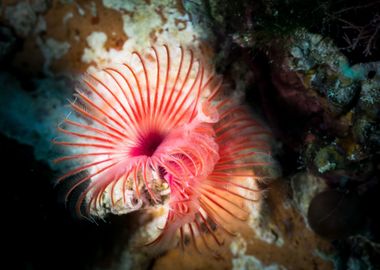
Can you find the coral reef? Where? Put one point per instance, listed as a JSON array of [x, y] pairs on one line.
[[309, 69]]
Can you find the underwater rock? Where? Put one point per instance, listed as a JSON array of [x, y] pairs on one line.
[[357, 264], [328, 158], [308, 51], [293, 92], [67, 24], [312, 75], [238, 246], [23, 16], [7, 42], [369, 100], [263, 226], [323, 77], [339, 90], [313, 78], [363, 253], [40, 6], [362, 130], [52, 50], [167, 22], [340, 108], [366, 127], [250, 262], [199, 13], [333, 214], [32, 117], [374, 139], [304, 188]]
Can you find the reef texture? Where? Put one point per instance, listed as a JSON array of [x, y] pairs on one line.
[[338, 106]]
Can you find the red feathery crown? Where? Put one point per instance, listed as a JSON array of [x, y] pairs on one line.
[[158, 129]]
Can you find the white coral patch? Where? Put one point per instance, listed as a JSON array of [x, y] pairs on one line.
[[164, 25]]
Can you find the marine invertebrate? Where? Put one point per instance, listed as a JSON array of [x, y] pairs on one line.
[[159, 130]]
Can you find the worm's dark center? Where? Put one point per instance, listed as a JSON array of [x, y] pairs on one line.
[[147, 144]]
